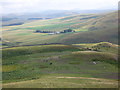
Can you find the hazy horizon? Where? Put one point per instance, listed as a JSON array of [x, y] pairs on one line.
[[27, 6]]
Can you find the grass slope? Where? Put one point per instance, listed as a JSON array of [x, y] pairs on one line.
[[101, 47], [72, 66], [64, 80]]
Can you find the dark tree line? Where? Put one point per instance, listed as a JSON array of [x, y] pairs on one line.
[[65, 31], [39, 31]]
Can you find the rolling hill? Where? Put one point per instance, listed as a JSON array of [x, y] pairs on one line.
[[89, 28], [58, 65]]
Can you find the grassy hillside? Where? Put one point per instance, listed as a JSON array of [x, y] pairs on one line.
[[89, 28], [86, 58], [55, 66], [101, 47]]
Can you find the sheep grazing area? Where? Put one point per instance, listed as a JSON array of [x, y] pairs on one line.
[[57, 65]]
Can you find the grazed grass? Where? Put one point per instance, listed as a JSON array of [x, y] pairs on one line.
[[33, 62], [58, 81]]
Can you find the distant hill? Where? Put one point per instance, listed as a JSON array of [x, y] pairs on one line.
[[8, 19], [103, 28], [89, 28]]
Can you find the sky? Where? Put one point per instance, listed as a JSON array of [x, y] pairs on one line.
[[22, 6]]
